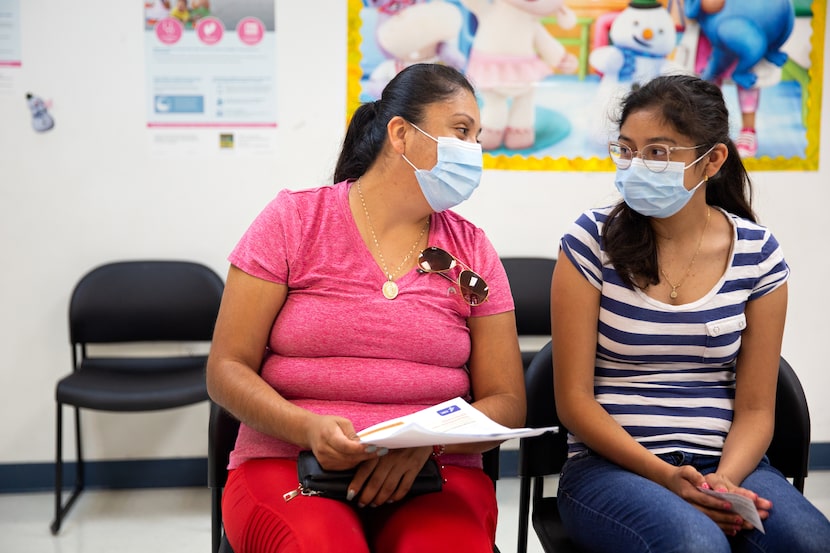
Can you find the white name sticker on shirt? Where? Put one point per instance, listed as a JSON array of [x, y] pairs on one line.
[[736, 323]]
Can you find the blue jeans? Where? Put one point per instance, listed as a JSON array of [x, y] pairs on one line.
[[606, 508]]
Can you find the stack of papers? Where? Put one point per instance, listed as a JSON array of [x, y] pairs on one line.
[[452, 422]]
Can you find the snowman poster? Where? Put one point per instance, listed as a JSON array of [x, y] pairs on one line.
[[550, 74]]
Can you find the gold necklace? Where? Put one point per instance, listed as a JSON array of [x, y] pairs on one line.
[[389, 288], [674, 287]]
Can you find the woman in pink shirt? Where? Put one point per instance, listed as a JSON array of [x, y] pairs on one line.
[[330, 324]]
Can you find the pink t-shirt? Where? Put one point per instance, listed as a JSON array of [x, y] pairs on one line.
[[338, 346]]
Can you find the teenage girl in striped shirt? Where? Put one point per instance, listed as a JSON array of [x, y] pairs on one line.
[[668, 316]]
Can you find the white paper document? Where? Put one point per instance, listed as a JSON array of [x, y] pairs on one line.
[[741, 505], [452, 422]]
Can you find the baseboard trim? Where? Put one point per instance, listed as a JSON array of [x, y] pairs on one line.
[[192, 472], [820, 456], [131, 474]]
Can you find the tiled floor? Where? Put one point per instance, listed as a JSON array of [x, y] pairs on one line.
[[178, 520]]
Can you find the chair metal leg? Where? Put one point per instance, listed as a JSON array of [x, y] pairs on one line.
[[524, 511], [62, 510], [80, 467], [798, 482], [56, 524], [216, 519], [225, 546]]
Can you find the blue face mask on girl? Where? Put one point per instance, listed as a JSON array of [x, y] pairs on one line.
[[656, 194], [456, 174]]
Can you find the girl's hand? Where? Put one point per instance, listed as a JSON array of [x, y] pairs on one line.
[[720, 483], [686, 482]]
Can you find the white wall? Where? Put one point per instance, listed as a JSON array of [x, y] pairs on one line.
[[88, 192]]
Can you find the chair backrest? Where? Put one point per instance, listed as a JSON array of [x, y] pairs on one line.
[[222, 431], [530, 283], [542, 455], [546, 454], [145, 301], [789, 451]]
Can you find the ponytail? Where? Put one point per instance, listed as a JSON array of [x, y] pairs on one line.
[[362, 144]]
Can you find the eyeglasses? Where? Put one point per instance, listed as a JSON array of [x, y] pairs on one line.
[[655, 156], [435, 260]]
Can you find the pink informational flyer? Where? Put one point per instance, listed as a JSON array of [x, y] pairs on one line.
[[211, 83]]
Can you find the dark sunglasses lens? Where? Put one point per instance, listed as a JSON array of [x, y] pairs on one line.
[[473, 287], [435, 260]]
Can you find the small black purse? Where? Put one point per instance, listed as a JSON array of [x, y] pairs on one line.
[[334, 484]]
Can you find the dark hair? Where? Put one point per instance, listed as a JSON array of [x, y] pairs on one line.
[[407, 95], [696, 109]]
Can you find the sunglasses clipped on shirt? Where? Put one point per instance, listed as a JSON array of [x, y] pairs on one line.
[[435, 260]]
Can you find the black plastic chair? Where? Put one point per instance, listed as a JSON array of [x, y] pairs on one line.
[[222, 431], [530, 284], [127, 303], [789, 450], [545, 455]]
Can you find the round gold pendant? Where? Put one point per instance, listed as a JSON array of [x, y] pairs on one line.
[[390, 290], [673, 295]]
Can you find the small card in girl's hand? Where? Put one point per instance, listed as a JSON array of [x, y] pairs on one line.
[[741, 505]]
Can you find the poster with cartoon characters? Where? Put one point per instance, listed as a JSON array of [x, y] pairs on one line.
[[550, 74], [211, 82]]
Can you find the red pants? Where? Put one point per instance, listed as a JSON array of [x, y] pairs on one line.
[[459, 519]]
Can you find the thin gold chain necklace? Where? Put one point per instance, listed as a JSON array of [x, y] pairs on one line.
[[389, 288], [674, 287]]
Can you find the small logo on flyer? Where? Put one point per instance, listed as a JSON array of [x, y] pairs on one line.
[[169, 30], [250, 31], [226, 140], [210, 30], [448, 410]]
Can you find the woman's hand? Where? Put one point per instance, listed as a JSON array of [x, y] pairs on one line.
[[335, 443], [388, 478]]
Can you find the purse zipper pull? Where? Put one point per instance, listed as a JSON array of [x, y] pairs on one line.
[[288, 496]]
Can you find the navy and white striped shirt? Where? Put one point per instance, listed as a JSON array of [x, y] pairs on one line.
[[666, 373]]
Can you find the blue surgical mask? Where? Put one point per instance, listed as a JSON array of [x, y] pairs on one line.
[[456, 174], [655, 194]]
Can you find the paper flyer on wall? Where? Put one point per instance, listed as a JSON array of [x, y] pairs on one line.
[[451, 422], [211, 77], [10, 40]]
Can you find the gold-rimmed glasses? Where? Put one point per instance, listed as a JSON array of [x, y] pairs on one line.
[[435, 260], [655, 157]]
